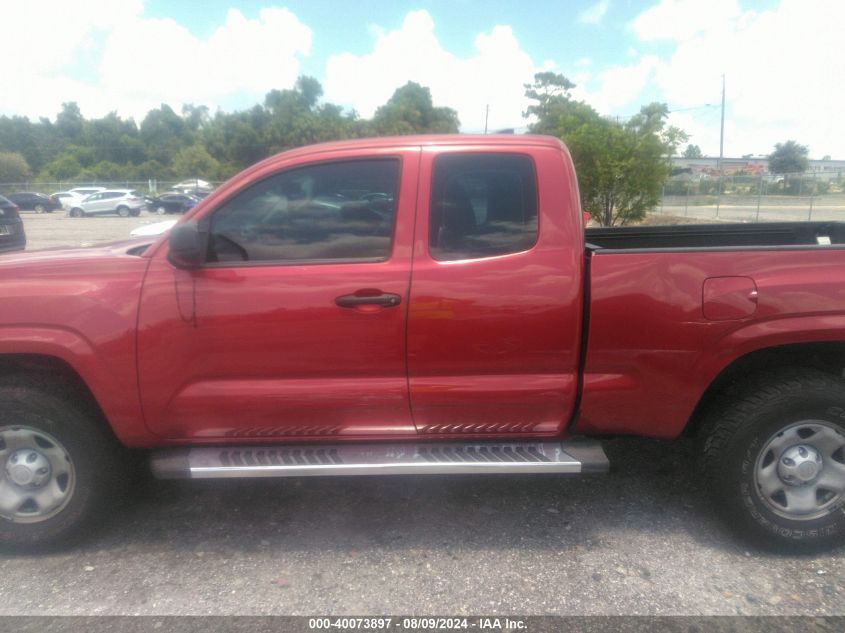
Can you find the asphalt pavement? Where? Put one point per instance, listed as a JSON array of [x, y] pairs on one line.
[[639, 540]]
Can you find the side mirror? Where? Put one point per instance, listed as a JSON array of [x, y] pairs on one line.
[[186, 246]]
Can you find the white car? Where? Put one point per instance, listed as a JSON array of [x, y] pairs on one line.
[[193, 184], [68, 198], [157, 228], [124, 202], [85, 191]]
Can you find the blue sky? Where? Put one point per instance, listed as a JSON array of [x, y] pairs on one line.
[[781, 58], [547, 30]]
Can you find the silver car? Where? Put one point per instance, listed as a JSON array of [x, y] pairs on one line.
[[123, 202]]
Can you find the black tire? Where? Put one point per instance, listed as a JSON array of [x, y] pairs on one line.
[[123, 211], [100, 466], [761, 427], [77, 213], [135, 213]]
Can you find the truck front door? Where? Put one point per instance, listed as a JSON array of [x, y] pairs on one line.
[[295, 326]]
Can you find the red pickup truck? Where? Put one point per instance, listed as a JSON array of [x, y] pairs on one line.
[[424, 305]]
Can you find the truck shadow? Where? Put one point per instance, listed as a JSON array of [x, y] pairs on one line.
[[652, 488]]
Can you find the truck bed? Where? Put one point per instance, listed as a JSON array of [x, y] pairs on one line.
[[716, 236]]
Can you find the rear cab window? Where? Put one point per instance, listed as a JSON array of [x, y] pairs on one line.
[[482, 205]]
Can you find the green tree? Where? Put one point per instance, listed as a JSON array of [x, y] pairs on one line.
[[195, 116], [13, 168], [411, 111], [693, 151], [548, 88], [195, 162], [65, 166], [789, 158], [164, 133], [108, 171], [70, 123], [18, 134], [621, 167]]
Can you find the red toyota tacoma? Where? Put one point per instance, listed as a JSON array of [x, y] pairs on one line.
[[424, 305]]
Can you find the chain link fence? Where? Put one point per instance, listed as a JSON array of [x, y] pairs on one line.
[[150, 186], [732, 198], [759, 197]]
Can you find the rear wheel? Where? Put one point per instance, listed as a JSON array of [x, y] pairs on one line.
[[135, 213], [59, 468], [76, 212], [161, 211], [775, 461], [39, 208], [123, 211]]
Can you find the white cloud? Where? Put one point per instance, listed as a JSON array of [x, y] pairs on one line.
[[243, 57], [493, 75], [140, 62], [782, 70], [595, 13], [618, 86], [681, 20], [42, 39]]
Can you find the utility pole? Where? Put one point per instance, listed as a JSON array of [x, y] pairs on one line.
[[486, 116], [721, 149]]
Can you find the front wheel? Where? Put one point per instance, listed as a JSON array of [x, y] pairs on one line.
[[77, 213], [39, 208], [161, 211], [775, 461], [123, 212], [59, 469]]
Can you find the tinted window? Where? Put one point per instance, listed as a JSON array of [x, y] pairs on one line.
[[482, 205], [332, 211]]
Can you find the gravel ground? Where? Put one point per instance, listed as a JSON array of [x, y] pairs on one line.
[[52, 230], [636, 541]]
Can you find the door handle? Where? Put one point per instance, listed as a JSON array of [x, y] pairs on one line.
[[386, 299]]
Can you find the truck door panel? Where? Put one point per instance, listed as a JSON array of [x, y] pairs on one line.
[[495, 308], [260, 343]]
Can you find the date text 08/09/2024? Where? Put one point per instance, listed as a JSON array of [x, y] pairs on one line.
[[417, 623]]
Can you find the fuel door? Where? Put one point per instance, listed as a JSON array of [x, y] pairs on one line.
[[729, 298]]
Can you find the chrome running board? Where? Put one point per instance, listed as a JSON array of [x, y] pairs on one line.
[[572, 457]]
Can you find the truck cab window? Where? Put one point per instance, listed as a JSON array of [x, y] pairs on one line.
[[321, 213], [482, 205]]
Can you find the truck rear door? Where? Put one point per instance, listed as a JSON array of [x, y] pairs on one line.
[[494, 323]]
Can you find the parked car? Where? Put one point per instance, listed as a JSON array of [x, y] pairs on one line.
[[124, 202], [68, 198], [32, 201], [193, 183], [171, 203], [86, 191], [156, 228], [12, 236], [466, 323]]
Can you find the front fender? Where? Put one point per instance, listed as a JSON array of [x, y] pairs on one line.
[[111, 377]]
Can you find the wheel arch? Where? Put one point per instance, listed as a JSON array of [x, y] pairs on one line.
[[827, 356], [57, 372]]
